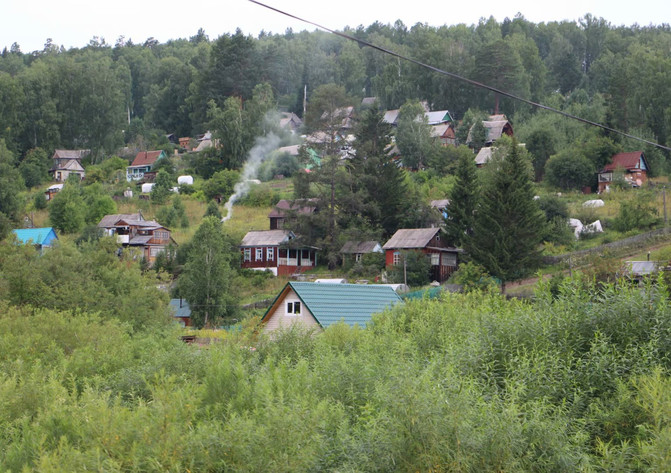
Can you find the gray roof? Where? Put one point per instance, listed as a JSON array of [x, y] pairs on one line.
[[354, 247], [70, 153], [440, 203], [140, 240], [108, 221], [438, 116], [484, 156], [411, 238], [641, 268], [266, 237]]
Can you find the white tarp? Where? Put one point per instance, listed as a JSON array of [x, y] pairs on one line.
[[594, 203], [185, 180]]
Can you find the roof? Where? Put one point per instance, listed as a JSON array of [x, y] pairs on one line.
[[390, 116], [141, 240], [181, 308], [38, 236], [70, 153], [440, 203], [354, 247], [440, 129], [303, 207], [354, 304], [146, 158], [108, 221], [627, 161], [71, 165], [266, 237], [484, 156], [411, 238], [438, 116]]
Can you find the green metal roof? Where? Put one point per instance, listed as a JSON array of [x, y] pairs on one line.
[[354, 304]]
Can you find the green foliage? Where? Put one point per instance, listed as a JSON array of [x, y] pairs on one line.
[[162, 187], [463, 201], [221, 184], [206, 278], [67, 210], [260, 196], [636, 213], [414, 269], [569, 170], [509, 224], [35, 167], [473, 277], [212, 210]]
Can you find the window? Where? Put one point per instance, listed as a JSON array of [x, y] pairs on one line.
[[155, 250], [248, 254], [397, 258], [270, 254], [449, 259], [435, 259], [357, 257], [259, 254], [293, 308]]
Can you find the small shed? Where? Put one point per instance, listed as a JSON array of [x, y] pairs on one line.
[[354, 250], [181, 312]]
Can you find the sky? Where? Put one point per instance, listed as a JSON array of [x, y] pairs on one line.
[[72, 23]]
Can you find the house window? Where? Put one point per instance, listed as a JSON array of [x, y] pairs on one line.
[[156, 250], [248, 254], [259, 254], [397, 258], [449, 259], [435, 259], [357, 257], [293, 308], [270, 254]]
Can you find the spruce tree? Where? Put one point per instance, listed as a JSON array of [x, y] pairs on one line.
[[463, 200], [508, 224]]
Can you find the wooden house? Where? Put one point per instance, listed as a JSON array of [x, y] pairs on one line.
[[288, 211], [318, 306], [277, 251], [353, 251], [632, 166], [432, 242], [52, 191], [68, 162], [181, 312], [444, 133], [142, 165], [496, 126], [143, 238], [290, 121]]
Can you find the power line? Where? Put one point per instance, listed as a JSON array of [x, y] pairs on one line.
[[462, 78]]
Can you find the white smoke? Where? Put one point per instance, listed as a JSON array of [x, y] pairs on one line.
[[262, 149]]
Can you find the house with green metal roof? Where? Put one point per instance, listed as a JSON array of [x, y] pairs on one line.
[[321, 305], [40, 237]]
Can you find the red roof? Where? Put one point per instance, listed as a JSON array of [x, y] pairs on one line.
[[626, 161], [146, 158]]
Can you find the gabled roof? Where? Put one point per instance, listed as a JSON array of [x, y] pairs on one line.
[[181, 308], [266, 238], [390, 116], [70, 153], [438, 116], [411, 238], [108, 221], [440, 204], [36, 236], [146, 158], [71, 165], [302, 206], [628, 161], [354, 304], [484, 156], [354, 247]]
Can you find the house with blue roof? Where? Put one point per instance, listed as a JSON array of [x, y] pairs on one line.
[[318, 306], [40, 237]]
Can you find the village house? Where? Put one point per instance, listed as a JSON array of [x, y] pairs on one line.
[[432, 242], [291, 122], [318, 306], [41, 238], [68, 162], [181, 312], [632, 167], [141, 167], [287, 211], [52, 191], [143, 238], [353, 251], [277, 251]]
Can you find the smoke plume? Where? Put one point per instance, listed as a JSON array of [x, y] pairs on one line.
[[261, 150]]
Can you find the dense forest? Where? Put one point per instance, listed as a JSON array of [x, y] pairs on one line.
[[102, 96]]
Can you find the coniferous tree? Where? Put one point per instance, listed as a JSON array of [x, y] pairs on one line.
[[508, 224], [463, 201]]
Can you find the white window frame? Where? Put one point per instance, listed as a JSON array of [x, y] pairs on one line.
[[247, 254], [258, 254], [293, 308], [396, 259], [270, 254]]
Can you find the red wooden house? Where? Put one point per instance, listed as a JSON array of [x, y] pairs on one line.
[[430, 241], [633, 166], [145, 238], [277, 251]]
